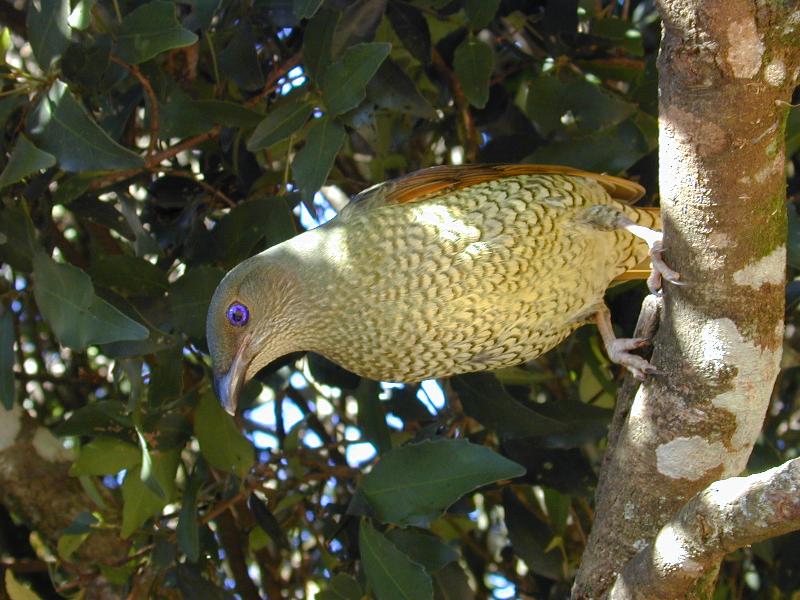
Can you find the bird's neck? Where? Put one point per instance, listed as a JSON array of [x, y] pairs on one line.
[[314, 260]]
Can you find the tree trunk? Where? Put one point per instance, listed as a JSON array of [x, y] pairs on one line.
[[726, 73]]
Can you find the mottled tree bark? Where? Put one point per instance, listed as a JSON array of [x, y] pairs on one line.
[[36, 486], [727, 69]]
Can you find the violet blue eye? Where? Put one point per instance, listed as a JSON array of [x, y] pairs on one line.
[[238, 314]]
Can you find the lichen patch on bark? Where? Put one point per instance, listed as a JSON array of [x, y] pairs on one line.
[[671, 549], [770, 269], [775, 72], [749, 389], [689, 457], [10, 424], [745, 49]]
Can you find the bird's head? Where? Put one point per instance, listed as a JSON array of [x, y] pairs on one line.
[[249, 323]]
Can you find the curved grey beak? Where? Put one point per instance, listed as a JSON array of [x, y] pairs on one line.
[[228, 385]]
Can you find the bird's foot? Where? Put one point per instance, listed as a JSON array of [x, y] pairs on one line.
[[660, 269], [619, 350]]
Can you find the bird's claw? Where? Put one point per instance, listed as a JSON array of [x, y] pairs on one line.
[[660, 268], [619, 351]]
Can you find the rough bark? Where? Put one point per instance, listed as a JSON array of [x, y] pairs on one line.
[[35, 485], [724, 517], [726, 73]]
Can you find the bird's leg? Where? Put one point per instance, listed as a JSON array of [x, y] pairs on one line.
[[619, 349], [655, 241]]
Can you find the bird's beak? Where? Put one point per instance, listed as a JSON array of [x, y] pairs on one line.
[[228, 385]]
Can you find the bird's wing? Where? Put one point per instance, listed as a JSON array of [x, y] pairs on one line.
[[422, 184]]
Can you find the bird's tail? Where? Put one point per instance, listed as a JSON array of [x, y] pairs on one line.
[[646, 217]]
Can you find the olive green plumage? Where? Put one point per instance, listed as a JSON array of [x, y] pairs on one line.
[[441, 272]]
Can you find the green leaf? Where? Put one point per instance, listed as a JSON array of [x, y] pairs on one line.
[[621, 32], [412, 28], [250, 226], [17, 238], [318, 41], [359, 23], [150, 30], [473, 63], [558, 506], [25, 160], [7, 358], [485, 399], [267, 521], [345, 81], [139, 501], [372, 416], [394, 90], [81, 16], [305, 9], [187, 532], [280, 123], [341, 587], [190, 296], [392, 574], [146, 473], [129, 274], [312, 164], [75, 534], [414, 484], [104, 416], [105, 456], [793, 240], [584, 106], [451, 583], [793, 131], [239, 60], [480, 12], [48, 30], [77, 316], [611, 150], [184, 117], [17, 591], [221, 442], [61, 126], [166, 379], [530, 538], [423, 548]]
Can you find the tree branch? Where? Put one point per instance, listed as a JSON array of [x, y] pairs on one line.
[[36, 486], [726, 516]]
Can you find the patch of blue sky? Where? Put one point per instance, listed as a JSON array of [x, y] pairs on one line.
[[502, 588], [431, 395], [264, 414], [298, 381], [264, 441], [352, 434], [323, 212], [359, 453], [394, 422]]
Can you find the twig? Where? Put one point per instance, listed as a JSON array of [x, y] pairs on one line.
[[151, 95], [203, 184], [471, 138], [154, 161]]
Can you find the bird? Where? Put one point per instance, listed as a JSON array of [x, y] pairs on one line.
[[446, 270]]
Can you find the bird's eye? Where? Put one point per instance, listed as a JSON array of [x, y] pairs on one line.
[[238, 314]]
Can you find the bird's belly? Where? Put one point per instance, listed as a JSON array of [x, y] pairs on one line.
[[482, 319]]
